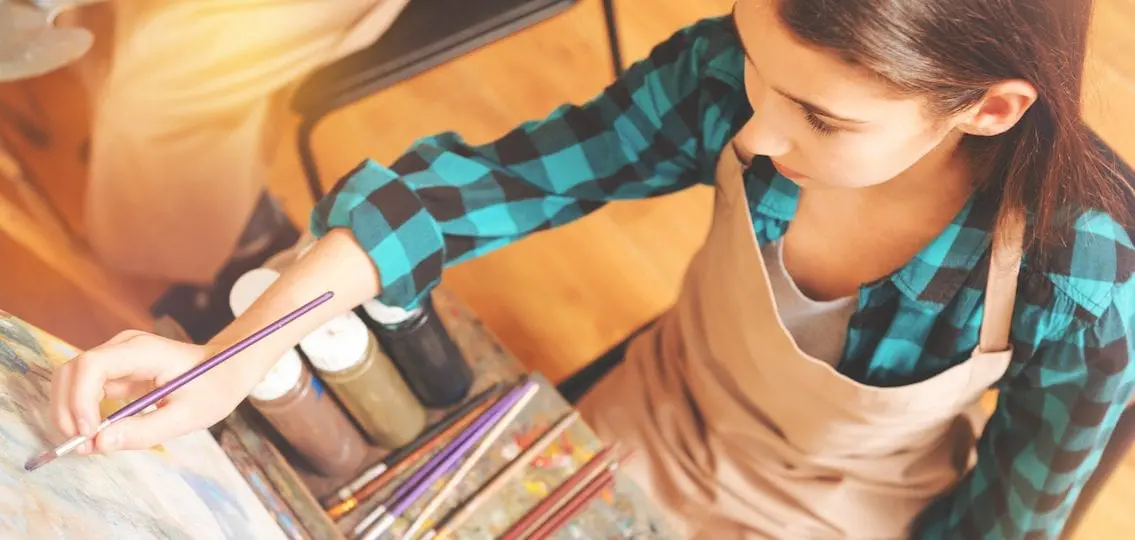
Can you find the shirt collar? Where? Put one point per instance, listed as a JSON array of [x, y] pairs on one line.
[[934, 276]]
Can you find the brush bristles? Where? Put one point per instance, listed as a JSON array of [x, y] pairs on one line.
[[39, 461]]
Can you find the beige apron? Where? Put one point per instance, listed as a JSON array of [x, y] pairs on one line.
[[739, 434]]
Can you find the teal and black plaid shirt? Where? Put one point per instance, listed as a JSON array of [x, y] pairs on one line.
[[659, 129]]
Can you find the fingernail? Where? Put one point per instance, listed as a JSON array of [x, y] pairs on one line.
[[84, 427], [85, 449]]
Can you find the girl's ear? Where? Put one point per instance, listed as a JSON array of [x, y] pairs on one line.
[[1000, 109]]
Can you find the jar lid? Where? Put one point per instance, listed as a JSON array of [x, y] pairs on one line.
[[387, 315], [337, 345], [249, 287], [280, 379]]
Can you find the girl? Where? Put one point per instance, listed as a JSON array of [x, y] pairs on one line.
[[908, 211]]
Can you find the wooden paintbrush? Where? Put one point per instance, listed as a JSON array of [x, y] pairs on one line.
[[349, 497], [547, 507], [576, 504], [157, 394], [474, 458], [452, 521], [381, 518]]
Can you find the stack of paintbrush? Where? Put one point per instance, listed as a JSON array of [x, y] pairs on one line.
[[461, 441]]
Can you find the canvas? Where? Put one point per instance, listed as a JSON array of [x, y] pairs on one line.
[[187, 489]]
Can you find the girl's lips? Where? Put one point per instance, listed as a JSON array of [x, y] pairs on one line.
[[788, 173]]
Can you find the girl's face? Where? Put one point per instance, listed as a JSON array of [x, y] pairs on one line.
[[824, 123]]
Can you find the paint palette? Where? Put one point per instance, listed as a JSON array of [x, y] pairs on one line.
[[187, 489], [31, 44]]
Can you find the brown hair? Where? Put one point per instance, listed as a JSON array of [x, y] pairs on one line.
[[951, 51]]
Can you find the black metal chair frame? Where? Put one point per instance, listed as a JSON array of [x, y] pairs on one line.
[[354, 77]]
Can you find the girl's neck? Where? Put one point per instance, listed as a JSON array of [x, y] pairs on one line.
[[840, 239]]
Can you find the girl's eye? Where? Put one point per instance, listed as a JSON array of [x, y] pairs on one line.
[[820, 126]]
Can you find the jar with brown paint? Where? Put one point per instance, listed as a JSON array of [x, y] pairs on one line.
[[294, 402], [348, 359]]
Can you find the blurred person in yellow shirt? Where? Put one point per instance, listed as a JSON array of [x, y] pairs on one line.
[[182, 128]]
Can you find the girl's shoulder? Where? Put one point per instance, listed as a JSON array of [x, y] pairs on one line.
[[716, 46], [1089, 275]]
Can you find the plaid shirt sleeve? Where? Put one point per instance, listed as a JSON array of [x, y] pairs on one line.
[[445, 201], [1052, 422]]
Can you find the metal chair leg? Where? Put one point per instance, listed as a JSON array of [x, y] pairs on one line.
[[613, 36], [307, 158]]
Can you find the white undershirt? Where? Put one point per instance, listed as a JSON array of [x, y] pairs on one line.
[[819, 328]]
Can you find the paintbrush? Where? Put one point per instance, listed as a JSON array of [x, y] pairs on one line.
[[348, 497], [451, 522], [576, 504], [410, 460], [371, 527], [157, 394], [474, 458], [548, 507]]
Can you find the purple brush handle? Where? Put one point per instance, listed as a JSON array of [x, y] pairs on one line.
[[436, 460], [449, 457], [158, 393]]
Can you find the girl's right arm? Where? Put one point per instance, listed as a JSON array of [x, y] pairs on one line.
[[133, 363], [653, 131]]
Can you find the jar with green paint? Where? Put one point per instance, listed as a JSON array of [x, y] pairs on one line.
[[346, 356]]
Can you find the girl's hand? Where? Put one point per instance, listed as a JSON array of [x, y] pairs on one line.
[[133, 363], [127, 367]]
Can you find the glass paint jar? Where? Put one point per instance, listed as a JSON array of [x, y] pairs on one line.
[[422, 349], [346, 356], [294, 402]]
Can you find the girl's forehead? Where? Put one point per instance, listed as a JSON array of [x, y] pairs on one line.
[[802, 72]]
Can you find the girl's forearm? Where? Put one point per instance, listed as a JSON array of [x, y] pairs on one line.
[[335, 263]]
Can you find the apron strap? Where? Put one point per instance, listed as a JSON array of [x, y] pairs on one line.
[[1001, 286]]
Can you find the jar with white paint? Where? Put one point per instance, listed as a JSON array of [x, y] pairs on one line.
[[296, 404], [348, 359]]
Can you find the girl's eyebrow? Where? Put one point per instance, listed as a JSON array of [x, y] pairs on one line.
[[808, 106]]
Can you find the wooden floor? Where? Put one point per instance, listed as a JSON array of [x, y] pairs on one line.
[[560, 298]]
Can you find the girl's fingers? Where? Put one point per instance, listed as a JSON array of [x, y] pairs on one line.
[[145, 431], [135, 357], [120, 337], [125, 368], [63, 407], [61, 410], [127, 389], [121, 389]]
